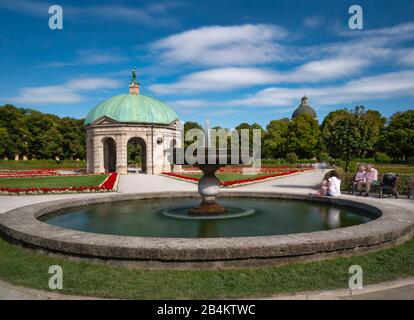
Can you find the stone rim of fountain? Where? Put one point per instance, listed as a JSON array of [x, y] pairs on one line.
[[22, 225]]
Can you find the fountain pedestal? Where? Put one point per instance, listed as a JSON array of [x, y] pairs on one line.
[[209, 188]]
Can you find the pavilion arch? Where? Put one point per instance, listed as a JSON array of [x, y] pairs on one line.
[[143, 145], [109, 154]]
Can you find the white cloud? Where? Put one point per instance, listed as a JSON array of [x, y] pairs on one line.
[[407, 57], [217, 80], [70, 92], [241, 45], [327, 69], [221, 79], [384, 86]]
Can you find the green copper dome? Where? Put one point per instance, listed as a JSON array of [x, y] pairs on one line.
[[133, 108]]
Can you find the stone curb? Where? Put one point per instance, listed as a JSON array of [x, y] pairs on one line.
[[395, 226], [33, 294], [344, 293]]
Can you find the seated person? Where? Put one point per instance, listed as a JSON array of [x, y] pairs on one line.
[[360, 176], [334, 185], [331, 185], [371, 179]]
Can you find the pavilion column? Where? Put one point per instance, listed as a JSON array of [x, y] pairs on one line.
[[89, 154], [98, 155], [121, 154]]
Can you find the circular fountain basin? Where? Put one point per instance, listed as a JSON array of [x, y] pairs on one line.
[[314, 231], [244, 218]]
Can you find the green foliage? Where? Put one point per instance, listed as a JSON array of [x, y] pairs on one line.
[[4, 141], [14, 121], [134, 154], [187, 127], [350, 134], [291, 157], [303, 136], [323, 157], [399, 135], [33, 134], [251, 129], [352, 165], [275, 141], [381, 157]]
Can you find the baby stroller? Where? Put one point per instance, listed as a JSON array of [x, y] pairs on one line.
[[388, 185]]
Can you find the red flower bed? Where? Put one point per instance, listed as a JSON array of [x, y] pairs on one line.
[[264, 169], [28, 173], [257, 179], [238, 182], [108, 185]]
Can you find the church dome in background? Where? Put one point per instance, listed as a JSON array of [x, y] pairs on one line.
[[304, 108]]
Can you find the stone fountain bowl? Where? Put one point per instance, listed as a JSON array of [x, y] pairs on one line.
[[208, 160]]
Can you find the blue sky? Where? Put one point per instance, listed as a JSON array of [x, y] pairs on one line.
[[229, 61]]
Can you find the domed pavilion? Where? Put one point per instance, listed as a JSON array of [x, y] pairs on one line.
[[131, 118], [304, 108]]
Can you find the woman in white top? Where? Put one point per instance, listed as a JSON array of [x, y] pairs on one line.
[[331, 185], [334, 185]]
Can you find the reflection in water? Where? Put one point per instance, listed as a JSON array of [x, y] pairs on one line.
[[208, 229], [334, 218], [146, 218], [331, 216]]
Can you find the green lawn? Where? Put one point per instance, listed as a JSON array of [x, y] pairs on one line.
[[22, 267], [40, 164], [53, 182], [228, 176]]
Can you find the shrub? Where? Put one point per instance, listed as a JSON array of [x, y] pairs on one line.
[[381, 157], [292, 157], [323, 157], [352, 165]]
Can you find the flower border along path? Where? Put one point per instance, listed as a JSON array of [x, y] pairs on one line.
[[108, 185], [238, 182]]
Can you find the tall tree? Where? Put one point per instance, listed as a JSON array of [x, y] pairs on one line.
[[349, 134], [275, 141], [45, 140], [304, 136], [14, 120], [251, 128], [4, 142], [399, 135], [73, 138], [187, 127]]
